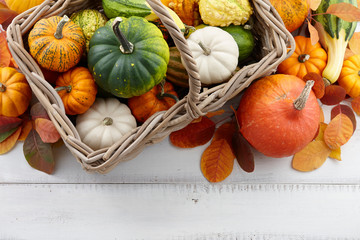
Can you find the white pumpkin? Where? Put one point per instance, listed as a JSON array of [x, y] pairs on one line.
[[104, 123], [215, 52]]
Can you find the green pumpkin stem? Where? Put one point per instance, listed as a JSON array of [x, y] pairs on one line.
[[58, 33], [108, 121], [163, 94], [67, 88], [300, 102], [2, 87], [126, 47], [206, 49]]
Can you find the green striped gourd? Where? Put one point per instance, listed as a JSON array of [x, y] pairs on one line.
[[336, 34], [176, 72]]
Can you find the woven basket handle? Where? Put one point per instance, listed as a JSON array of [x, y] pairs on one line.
[[188, 60]]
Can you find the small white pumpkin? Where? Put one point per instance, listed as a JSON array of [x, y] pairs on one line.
[[215, 52], [104, 123]]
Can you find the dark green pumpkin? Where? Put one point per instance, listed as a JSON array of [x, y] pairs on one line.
[[128, 74]]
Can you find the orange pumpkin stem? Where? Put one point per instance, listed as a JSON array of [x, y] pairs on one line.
[[300, 102], [126, 47], [108, 121], [58, 33], [2, 87], [303, 57]]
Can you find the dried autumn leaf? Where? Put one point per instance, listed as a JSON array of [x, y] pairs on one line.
[[25, 129], [311, 157], [334, 94], [225, 131], [217, 161], [193, 135], [10, 141], [314, 4], [38, 154], [354, 43], [355, 104], [322, 117], [341, 108], [336, 154], [348, 53], [6, 16], [338, 132], [215, 113], [8, 123], [345, 11], [243, 153], [38, 111], [319, 86], [46, 130], [5, 56], [314, 34], [321, 33]]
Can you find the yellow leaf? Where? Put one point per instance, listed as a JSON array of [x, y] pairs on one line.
[[339, 131], [354, 43], [320, 136], [336, 154], [314, 4], [311, 157]]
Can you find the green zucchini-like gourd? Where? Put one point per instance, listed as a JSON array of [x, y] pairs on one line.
[[129, 58]]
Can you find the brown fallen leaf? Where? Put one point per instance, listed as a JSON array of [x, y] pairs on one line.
[[341, 108], [354, 43], [334, 94], [243, 152], [355, 104], [319, 86], [10, 142], [345, 11]]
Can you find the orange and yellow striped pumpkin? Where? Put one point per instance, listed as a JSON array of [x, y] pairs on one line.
[[56, 43]]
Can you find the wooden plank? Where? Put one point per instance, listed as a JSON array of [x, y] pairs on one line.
[[179, 211]]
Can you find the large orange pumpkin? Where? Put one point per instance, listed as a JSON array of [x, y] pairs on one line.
[[77, 90], [159, 98], [349, 77], [56, 43], [293, 12], [306, 58], [278, 115], [15, 92], [20, 6]]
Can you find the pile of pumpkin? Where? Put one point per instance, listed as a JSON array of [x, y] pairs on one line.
[[112, 67]]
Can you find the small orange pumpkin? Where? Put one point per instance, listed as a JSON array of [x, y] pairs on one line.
[[349, 77], [293, 13], [15, 92], [306, 58], [77, 90], [56, 43], [187, 10], [159, 98]]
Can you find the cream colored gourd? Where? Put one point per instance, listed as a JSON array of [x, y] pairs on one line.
[[215, 52], [104, 123]]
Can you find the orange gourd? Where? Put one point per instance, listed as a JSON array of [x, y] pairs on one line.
[[20, 6], [15, 92], [279, 115], [159, 98], [56, 43], [77, 90], [306, 58], [293, 13], [349, 77], [187, 10]]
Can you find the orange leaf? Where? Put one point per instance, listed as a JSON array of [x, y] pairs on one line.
[[321, 33], [225, 131], [5, 56], [46, 130], [6, 16], [340, 108], [355, 104], [345, 11], [334, 94], [9, 142], [354, 43], [348, 53], [216, 113], [336, 154], [217, 161], [322, 117], [319, 86], [193, 135], [314, 4], [26, 128], [311, 157], [314, 34], [338, 132]]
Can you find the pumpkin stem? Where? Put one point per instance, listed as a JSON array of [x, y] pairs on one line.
[[207, 50], [303, 57], [126, 47], [163, 94], [60, 26], [359, 73], [107, 121], [300, 102], [2, 87], [67, 88]]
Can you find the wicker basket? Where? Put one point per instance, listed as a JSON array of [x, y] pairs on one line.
[[275, 44]]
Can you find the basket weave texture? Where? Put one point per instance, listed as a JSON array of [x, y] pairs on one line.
[[274, 44]]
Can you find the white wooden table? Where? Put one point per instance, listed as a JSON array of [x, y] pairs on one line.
[[162, 194]]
